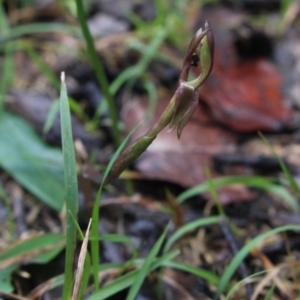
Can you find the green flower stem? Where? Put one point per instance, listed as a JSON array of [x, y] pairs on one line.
[[141, 144], [164, 120]]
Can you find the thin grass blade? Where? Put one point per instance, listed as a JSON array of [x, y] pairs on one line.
[[234, 264], [189, 227], [7, 72], [42, 27], [270, 292], [128, 279], [285, 170], [202, 273], [71, 187], [238, 284], [146, 267], [95, 214], [99, 70], [266, 183], [214, 193]]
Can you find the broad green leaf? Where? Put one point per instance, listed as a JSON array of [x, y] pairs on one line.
[[35, 165], [5, 279]]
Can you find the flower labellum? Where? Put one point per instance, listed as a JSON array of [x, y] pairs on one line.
[[200, 51], [186, 102]]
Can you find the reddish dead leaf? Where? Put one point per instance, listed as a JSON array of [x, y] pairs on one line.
[[243, 95]]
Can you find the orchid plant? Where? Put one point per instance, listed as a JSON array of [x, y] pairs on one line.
[[183, 103]]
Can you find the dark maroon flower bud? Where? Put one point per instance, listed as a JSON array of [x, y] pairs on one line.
[[201, 50]]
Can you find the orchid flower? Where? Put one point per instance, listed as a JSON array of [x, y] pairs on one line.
[[182, 105], [186, 96]]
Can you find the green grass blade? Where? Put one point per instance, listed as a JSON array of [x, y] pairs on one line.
[[285, 170], [189, 227], [32, 28], [213, 192], [129, 73], [128, 279], [118, 152], [35, 249], [159, 261], [152, 96], [270, 292], [284, 6], [266, 183], [10, 214], [285, 194], [117, 238], [58, 280], [30, 161], [234, 264], [71, 188], [7, 72], [117, 285], [54, 108], [255, 181], [81, 234], [40, 62], [139, 69], [237, 285], [6, 282], [100, 74], [212, 278], [95, 213], [146, 267]]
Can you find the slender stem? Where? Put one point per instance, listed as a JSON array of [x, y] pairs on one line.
[[141, 144], [163, 121]]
